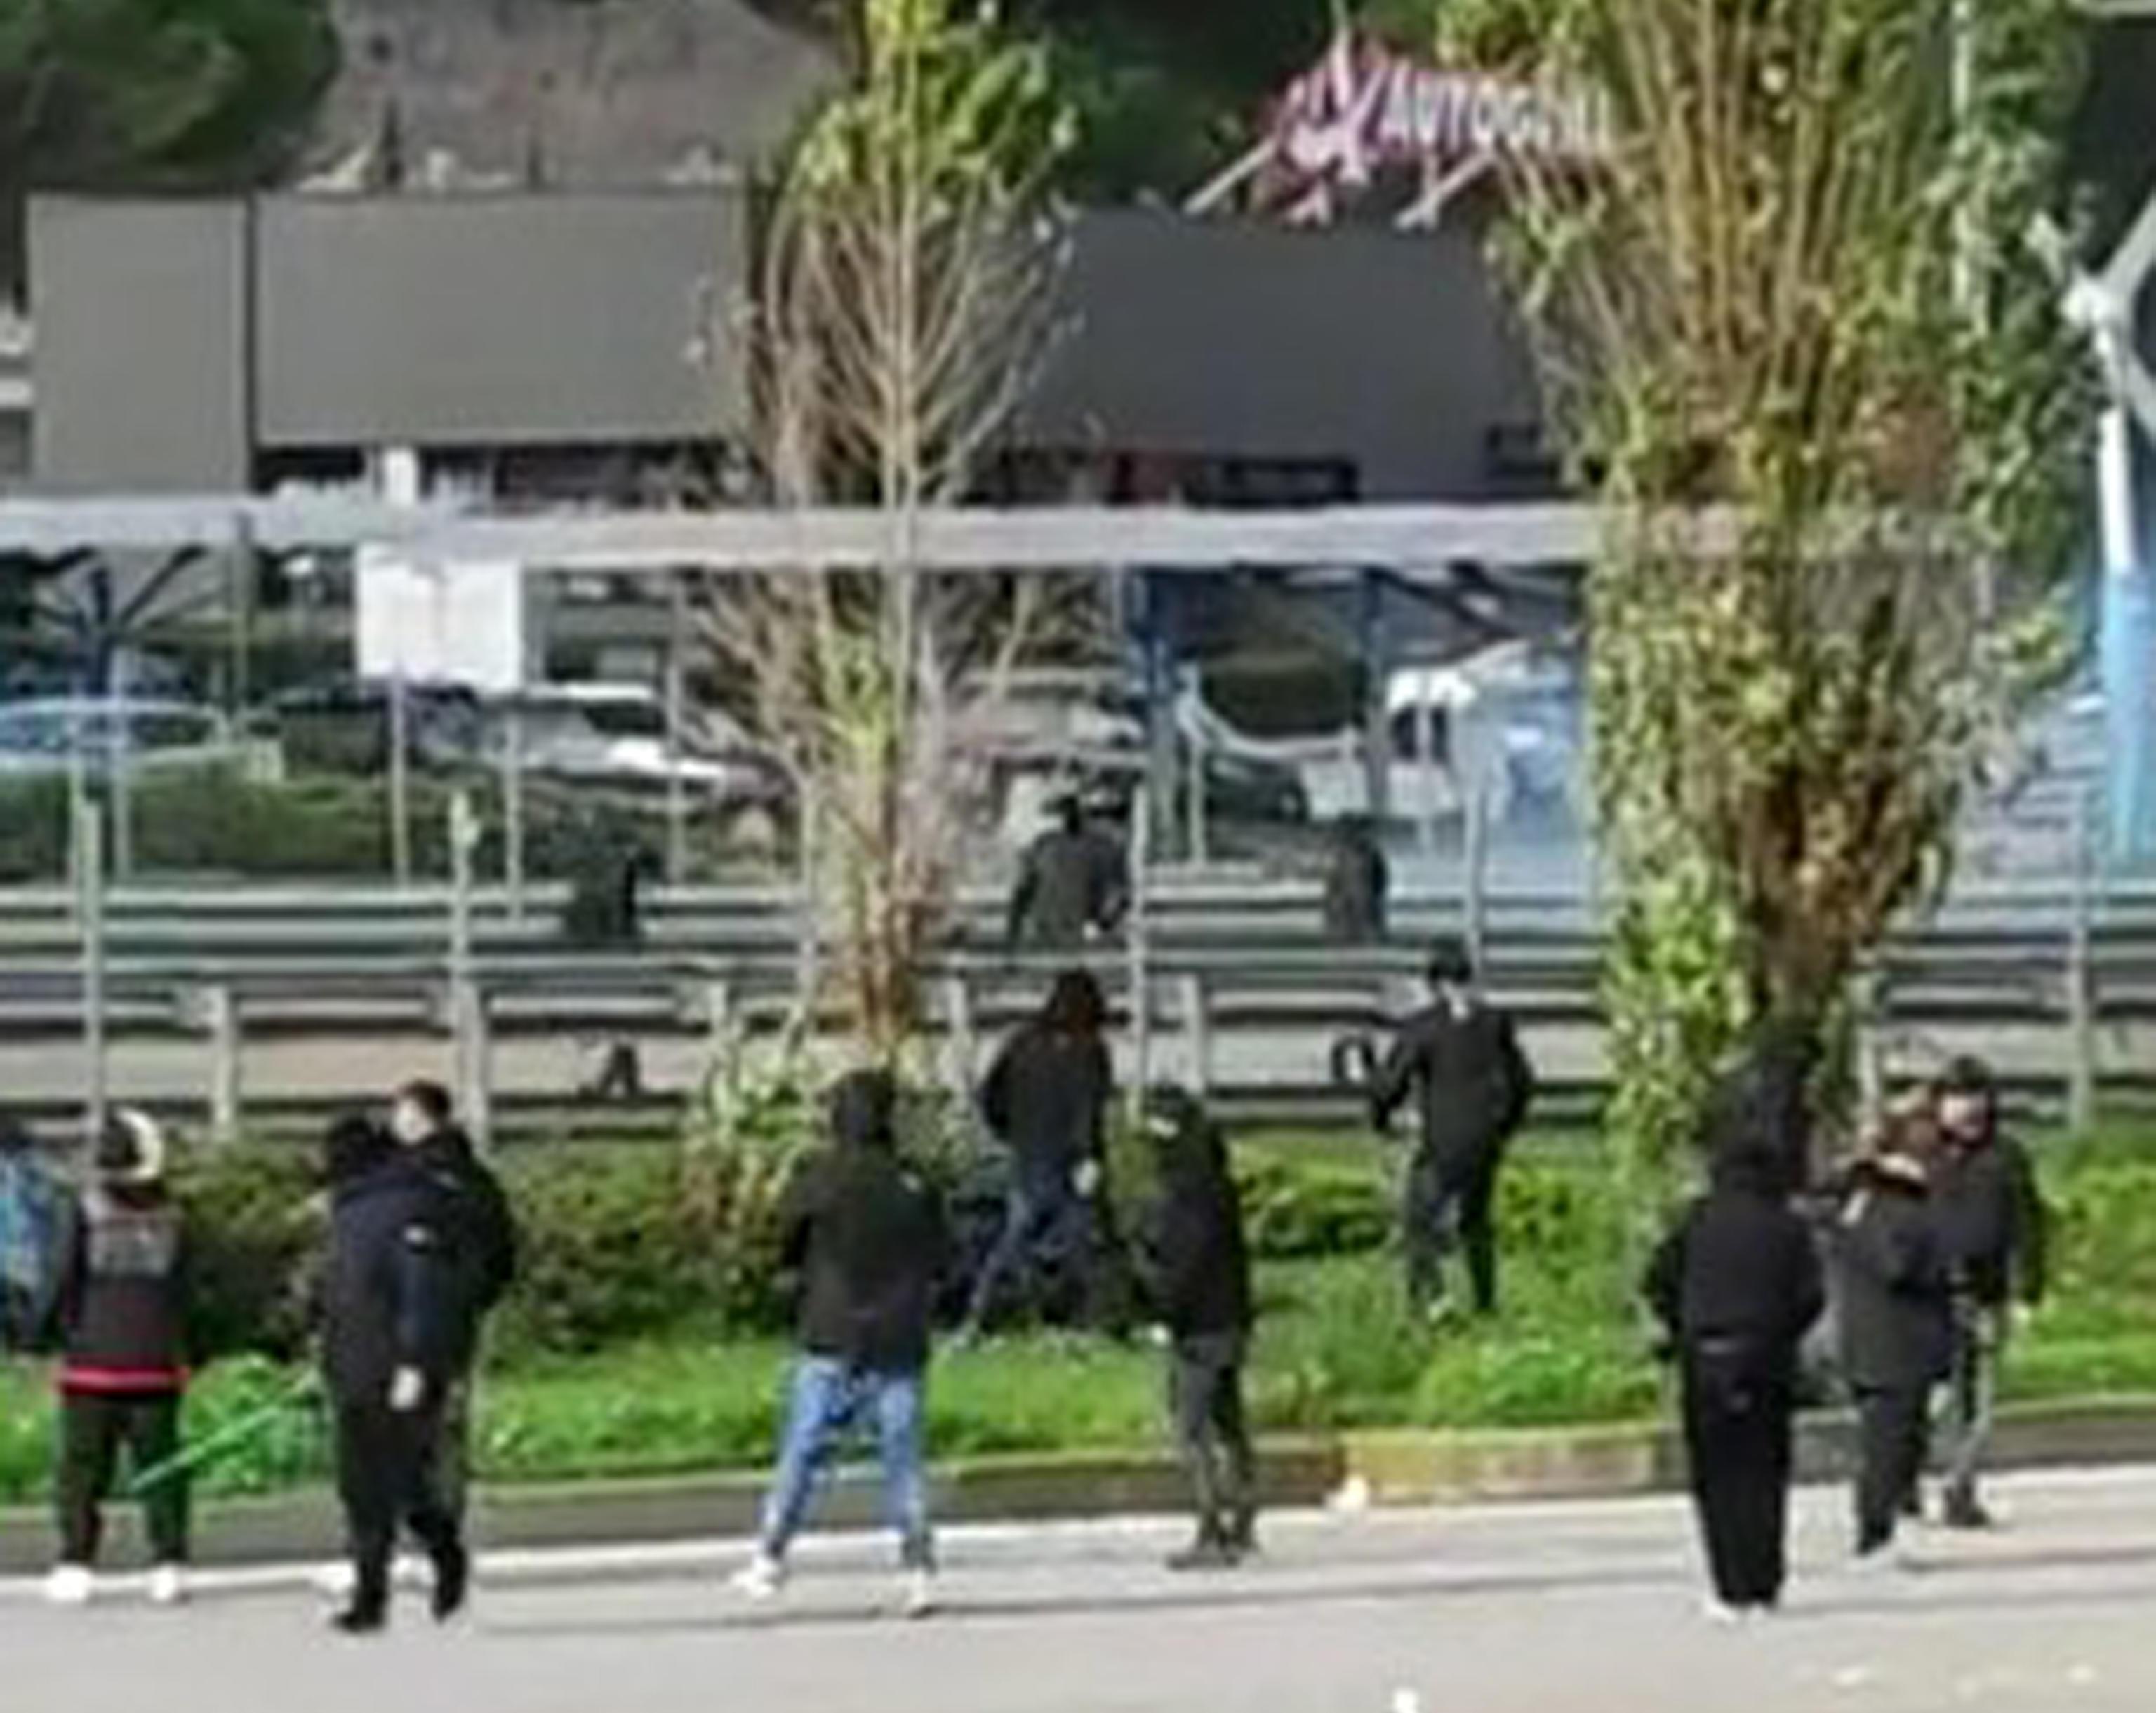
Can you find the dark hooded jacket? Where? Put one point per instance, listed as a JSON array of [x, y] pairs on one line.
[[1992, 1220], [866, 1236], [479, 1227], [1738, 1280], [1072, 880], [1198, 1263], [1473, 1082], [1894, 1284], [1046, 1097], [1357, 882], [393, 1295]]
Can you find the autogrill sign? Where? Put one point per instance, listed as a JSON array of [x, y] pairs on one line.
[[1364, 110]]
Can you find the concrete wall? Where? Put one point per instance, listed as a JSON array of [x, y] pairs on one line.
[[141, 362], [468, 321]]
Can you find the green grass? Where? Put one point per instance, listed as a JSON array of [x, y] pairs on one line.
[[1336, 1350]]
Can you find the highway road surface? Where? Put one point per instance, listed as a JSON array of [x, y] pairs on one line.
[[1574, 1608]]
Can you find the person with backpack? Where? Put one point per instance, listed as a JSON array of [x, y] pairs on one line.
[[866, 1236], [1896, 1305], [1197, 1278], [399, 1321], [33, 1222], [1047, 1099], [126, 1344], [1736, 1285], [481, 1232], [1459, 1059]]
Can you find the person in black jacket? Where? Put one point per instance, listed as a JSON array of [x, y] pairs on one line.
[[126, 1342], [481, 1230], [1047, 1099], [1895, 1311], [1736, 1286], [1199, 1278], [866, 1236], [1460, 1058], [1994, 1226], [397, 1319], [1073, 881]]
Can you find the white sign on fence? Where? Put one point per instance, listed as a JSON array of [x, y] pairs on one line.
[[455, 622]]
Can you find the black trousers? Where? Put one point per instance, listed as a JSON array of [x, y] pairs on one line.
[[1450, 1202], [387, 1476], [1206, 1395], [1737, 1426], [94, 1427], [1890, 1436]]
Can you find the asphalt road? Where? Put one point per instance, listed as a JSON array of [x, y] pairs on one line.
[[1542, 1609]]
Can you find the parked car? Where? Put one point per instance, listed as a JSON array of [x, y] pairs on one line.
[[616, 735], [343, 726], [38, 737]]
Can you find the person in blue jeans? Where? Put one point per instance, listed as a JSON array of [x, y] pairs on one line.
[[1046, 1099], [867, 1237]]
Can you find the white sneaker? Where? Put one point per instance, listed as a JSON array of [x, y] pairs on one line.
[[920, 1598], [336, 1582], [168, 1584], [70, 1585], [761, 1579], [1721, 1613]]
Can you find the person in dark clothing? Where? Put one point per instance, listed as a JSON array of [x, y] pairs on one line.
[[125, 1341], [1073, 882], [866, 1236], [481, 1232], [1046, 1099], [1460, 1058], [1895, 1312], [1736, 1285], [1357, 881], [397, 1318], [1198, 1269], [1995, 1229]]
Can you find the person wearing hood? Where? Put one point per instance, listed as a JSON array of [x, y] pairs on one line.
[[1895, 1314], [1358, 880], [397, 1326], [126, 1345], [1736, 1285], [1046, 1099], [865, 1235], [1459, 1059], [481, 1230], [1073, 881], [1198, 1269], [1994, 1226]]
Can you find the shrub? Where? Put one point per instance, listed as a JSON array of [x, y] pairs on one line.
[[255, 1224]]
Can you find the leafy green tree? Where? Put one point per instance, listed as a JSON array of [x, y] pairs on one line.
[[152, 94]]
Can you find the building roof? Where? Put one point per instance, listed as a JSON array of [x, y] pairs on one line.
[[501, 91]]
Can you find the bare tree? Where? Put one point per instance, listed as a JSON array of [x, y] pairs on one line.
[[905, 304]]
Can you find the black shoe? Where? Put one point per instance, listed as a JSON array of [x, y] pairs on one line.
[[1206, 1553], [451, 1581], [1912, 1506], [1242, 1538], [1966, 1511], [362, 1618]]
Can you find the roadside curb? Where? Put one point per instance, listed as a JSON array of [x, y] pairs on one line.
[[1388, 1468]]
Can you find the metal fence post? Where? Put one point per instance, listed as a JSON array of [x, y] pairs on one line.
[[959, 1030], [1871, 1053], [89, 911], [2081, 982], [400, 784], [1475, 878], [221, 1017], [1139, 952], [1197, 1033], [467, 1004]]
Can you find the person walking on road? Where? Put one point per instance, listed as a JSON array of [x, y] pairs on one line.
[[866, 1236], [127, 1339], [481, 1230], [1198, 1269], [1357, 884], [1460, 1057], [1073, 882], [1047, 1099], [397, 1320], [1736, 1285], [1895, 1312], [1995, 1227]]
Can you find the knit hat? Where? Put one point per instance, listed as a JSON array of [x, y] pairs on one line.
[[130, 1153]]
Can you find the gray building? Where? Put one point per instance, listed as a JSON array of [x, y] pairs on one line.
[[224, 344]]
